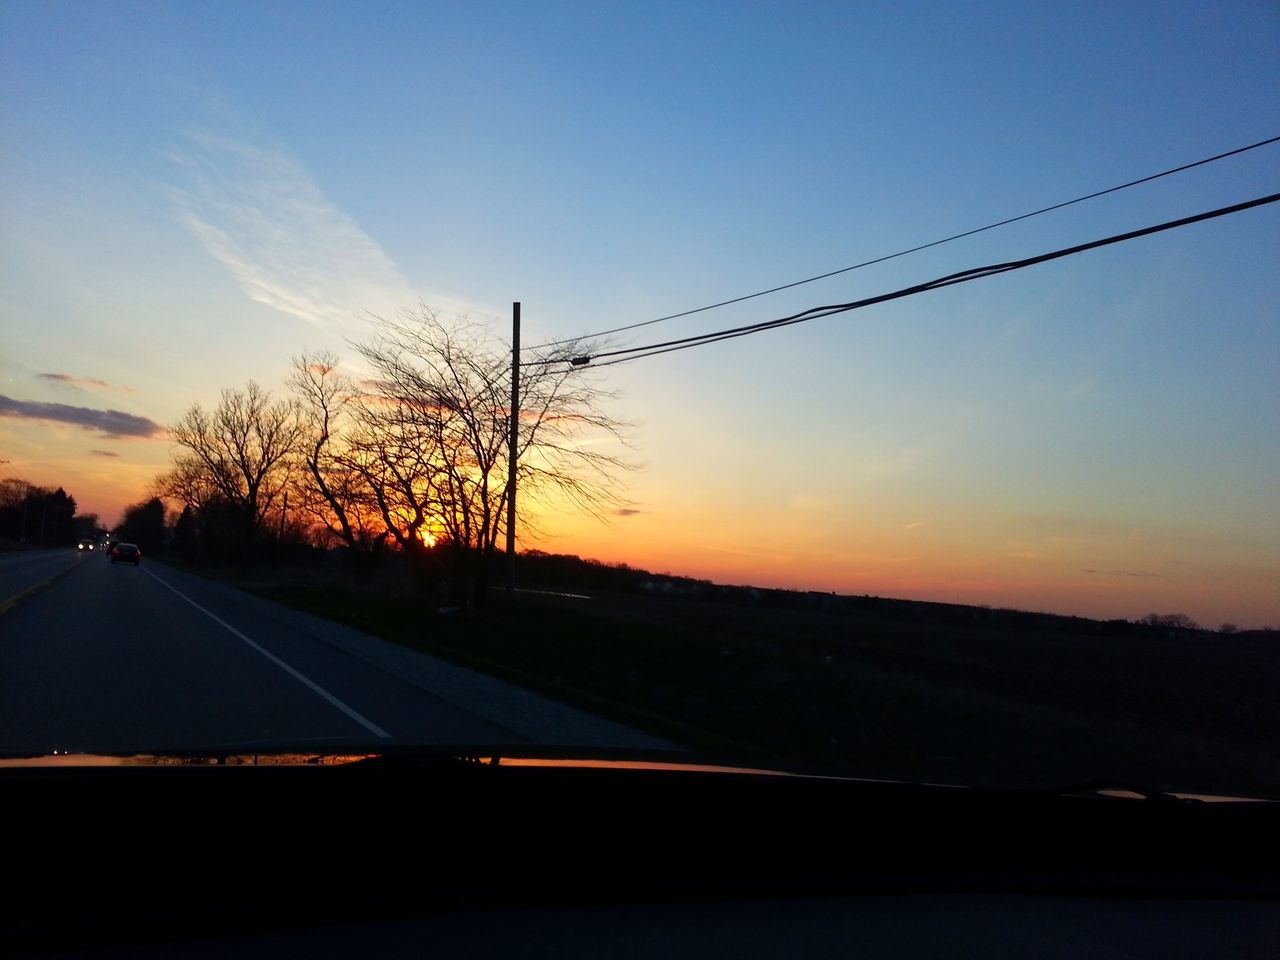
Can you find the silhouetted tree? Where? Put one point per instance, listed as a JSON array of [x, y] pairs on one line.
[[1172, 621], [241, 452], [143, 524], [332, 490], [87, 526], [36, 515], [431, 430], [62, 518], [186, 534], [14, 503]]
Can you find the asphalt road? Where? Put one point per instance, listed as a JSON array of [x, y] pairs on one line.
[[111, 658], [22, 571]]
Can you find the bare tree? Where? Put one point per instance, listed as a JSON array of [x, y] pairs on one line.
[[1172, 621], [242, 451], [434, 425], [188, 482], [334, 489]]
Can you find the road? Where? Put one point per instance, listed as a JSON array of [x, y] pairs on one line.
[[24, 570], [112, 658]]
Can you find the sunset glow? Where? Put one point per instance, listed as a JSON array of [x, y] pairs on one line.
[[1093, 436]]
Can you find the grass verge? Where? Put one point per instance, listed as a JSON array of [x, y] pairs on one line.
[[860, 695]]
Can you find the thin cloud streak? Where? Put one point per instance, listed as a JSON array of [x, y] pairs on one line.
[[104, 453], [80, 383], [261, 215], [1124, 573], [114, 424]]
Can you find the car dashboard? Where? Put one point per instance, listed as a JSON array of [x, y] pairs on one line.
[[465, 856]]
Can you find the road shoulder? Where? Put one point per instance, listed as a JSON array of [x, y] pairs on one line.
[[530, 715]]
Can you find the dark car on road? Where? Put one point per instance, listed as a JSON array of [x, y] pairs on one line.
[[126, 553]]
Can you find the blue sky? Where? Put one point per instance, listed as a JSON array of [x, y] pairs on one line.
[[193, 193]]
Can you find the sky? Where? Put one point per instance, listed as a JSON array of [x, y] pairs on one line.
[[191, 194]]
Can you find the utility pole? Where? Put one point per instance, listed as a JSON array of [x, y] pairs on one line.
[[511, 448]]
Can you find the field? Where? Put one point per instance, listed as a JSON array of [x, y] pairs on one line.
[[878, 689]]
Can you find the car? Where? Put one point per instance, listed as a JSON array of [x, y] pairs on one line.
[[85, 545], [126, 553]]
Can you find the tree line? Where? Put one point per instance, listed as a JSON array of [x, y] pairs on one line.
[[406, 459], [40, 516]]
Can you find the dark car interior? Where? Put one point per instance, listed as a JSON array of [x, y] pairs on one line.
[[459, 856]]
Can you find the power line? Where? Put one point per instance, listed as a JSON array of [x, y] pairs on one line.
[[923, 246], [964, 276], [627, 354]]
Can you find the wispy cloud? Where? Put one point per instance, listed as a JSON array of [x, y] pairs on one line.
[[80, 383], [262, 216], [918, 523], [1085, 388], [108, 423], [1124, 573], [104, 453], [627, 512]]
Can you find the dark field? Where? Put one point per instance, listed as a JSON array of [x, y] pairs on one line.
[[895, 690]]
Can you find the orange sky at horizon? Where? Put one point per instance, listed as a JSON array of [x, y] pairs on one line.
[[994, 558], [1094, 435], [997, 559]]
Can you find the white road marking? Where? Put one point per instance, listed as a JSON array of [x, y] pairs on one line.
[[555, 593], [367, 724]]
